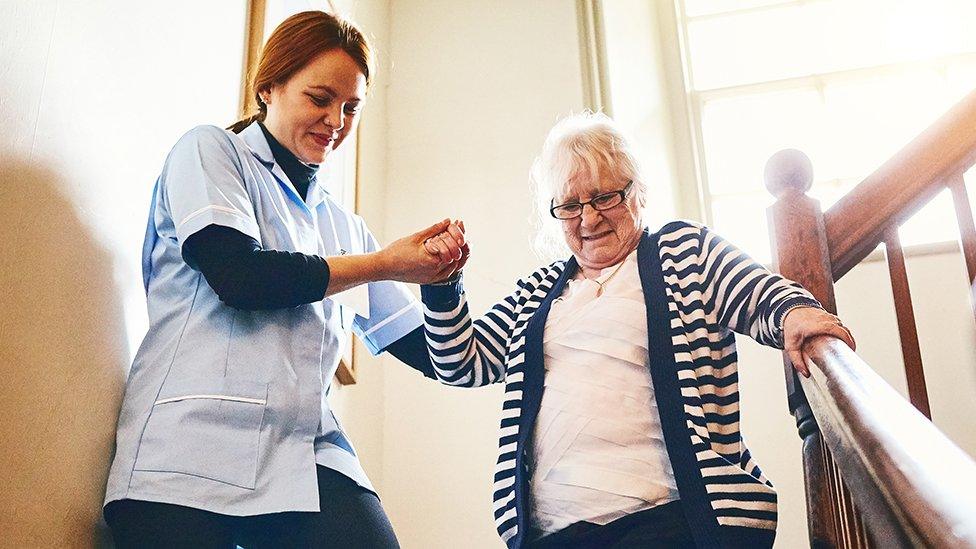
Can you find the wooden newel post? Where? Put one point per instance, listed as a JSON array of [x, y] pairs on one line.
[[800, 253]]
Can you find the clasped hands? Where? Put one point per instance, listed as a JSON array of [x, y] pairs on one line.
[[432, 255]]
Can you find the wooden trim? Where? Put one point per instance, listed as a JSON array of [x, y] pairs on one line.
[[593, 57], [914, 486], [692, 103], [819, 80], [907, 330], [907, 181], [253, 40], [346, 373], [690, 195]]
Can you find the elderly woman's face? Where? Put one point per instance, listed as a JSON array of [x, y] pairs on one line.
[[314, 111], [600, 239]]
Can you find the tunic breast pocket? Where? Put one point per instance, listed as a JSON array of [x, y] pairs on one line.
[[291, 232], [206, 427]]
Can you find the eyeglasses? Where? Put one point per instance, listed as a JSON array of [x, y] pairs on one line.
[[599, 202]]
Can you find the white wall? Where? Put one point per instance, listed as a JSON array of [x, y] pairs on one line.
[[92, 95]]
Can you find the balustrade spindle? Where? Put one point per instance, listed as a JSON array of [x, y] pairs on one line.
[[907, 330], [967, 231]]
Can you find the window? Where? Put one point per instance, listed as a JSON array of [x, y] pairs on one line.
[[849, 82]]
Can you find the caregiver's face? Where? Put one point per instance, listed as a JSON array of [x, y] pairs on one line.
[[601, 238], [318, 107]]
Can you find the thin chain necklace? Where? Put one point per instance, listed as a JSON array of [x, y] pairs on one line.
[[601, 285]]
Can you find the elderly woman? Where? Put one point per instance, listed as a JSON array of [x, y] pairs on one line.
[[620, 426]]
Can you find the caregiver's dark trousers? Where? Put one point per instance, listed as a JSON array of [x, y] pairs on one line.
[[351, 516]]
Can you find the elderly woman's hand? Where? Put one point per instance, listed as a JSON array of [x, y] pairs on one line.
[[450, 245], [425, 256], [803, 323]]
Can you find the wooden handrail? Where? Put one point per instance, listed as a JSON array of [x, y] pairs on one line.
[[856, 224], [915, 487]]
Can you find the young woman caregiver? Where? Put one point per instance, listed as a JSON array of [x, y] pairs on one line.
[[225, 435]]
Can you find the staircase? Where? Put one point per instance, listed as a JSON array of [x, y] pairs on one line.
[[877, 472]]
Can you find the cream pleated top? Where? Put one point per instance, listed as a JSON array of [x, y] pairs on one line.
[[598, 450]]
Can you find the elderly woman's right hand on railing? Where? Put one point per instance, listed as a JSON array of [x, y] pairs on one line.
[[803, 323]]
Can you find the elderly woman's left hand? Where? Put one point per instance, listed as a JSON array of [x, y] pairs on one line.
[[803, 323], [451, 246]]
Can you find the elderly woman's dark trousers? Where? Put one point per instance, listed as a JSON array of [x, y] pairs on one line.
[[661, 526]]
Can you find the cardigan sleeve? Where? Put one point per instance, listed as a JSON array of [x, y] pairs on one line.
[[467, 353], [742, 295]]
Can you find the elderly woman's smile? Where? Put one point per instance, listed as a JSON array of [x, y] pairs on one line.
[[597, 236]]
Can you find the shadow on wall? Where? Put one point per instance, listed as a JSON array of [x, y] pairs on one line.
[[62, 360]]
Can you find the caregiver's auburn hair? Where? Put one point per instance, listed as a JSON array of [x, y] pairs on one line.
[[295, 43]]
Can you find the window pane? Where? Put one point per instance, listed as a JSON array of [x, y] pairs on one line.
[[740, 134], [936, 222], [960, 79], [827, 192], [732, 50], [827, 36], [869, 120]]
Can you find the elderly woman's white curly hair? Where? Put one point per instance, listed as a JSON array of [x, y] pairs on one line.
[[578, 147]]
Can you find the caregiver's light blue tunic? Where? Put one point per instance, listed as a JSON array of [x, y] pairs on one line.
[[225, 410]]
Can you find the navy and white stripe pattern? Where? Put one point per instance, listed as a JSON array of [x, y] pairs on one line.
[[712, 289]]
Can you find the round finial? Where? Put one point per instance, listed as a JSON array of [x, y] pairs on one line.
[[788, 170]]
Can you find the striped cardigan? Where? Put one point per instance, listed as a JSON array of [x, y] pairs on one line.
[[698, 289]]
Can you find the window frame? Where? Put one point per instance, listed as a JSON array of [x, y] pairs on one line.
[[688, 103]]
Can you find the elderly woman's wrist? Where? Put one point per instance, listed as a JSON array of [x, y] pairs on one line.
[[451, 280], [794, 303], [444, 294]]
